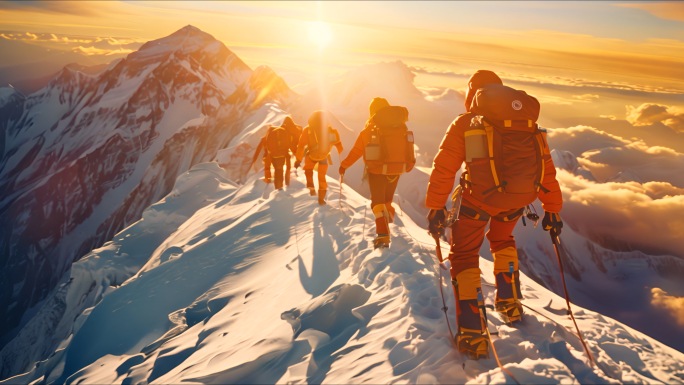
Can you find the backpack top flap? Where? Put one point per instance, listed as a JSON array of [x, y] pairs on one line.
[[498, 102], [391, 117]]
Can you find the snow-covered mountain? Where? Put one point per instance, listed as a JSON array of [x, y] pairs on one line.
[[222, 282], [84, 156], [87, 155]]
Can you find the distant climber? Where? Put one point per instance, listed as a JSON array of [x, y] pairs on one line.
[[508, 166], [315, 144], [294, 132], [279, 144], [387, 149]]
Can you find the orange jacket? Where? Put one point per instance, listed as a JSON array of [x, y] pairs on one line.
[[451, 156], [359, 147]]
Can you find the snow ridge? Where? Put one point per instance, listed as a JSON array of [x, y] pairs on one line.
[[250, 285]]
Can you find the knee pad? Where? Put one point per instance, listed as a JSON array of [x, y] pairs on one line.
[[380, 211], [502, 259], [468, 282]]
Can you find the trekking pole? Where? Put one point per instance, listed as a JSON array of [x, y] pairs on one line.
[[340, 199], [441, 283], [556, 241]]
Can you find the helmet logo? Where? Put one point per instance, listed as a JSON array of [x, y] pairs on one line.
[[517, 105]]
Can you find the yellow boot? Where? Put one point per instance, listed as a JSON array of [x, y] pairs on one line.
[[472, 343], [382, 239], [471, 337]]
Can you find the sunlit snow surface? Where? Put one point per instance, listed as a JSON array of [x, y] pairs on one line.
[[237, 283]]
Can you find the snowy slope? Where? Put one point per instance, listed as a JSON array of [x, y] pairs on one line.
[[83, 157], [228, 283]]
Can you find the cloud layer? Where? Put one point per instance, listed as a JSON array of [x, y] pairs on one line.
[[671, 304], [627, 215], [613, 158], [637, 198], [87, 45], [650, 113]]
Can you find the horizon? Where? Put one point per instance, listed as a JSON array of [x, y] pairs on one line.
[[580, 59]]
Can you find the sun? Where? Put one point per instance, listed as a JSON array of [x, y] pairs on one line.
[[320, 34]]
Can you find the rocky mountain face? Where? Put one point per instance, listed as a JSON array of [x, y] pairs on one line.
[[84, 156]]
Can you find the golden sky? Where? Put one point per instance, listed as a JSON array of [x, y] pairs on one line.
[[576, 48]]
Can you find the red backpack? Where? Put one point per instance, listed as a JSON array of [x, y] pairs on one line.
[[278, 142], [504, 148], [390, 150]]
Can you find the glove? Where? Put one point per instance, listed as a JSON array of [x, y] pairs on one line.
[[297, 163], [436, 221], [342, 170], [552, 222]]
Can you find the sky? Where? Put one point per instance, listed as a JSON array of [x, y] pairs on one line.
[[589, 58]]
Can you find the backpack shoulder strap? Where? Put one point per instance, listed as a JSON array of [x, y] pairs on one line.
[[489, 131], [539, 136]]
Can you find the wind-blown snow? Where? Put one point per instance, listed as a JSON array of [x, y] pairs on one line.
[[229, 283]]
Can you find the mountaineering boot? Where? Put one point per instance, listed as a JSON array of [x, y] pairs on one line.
[[511, 310], [382, 241], [508, 296], [309, 182], [471, 339], [472, 343], [321, 197]]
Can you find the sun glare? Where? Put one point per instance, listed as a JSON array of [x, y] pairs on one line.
[[320, 34]]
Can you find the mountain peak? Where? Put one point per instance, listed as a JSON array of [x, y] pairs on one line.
[[187, 39], [6, 93], [192, 32]]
